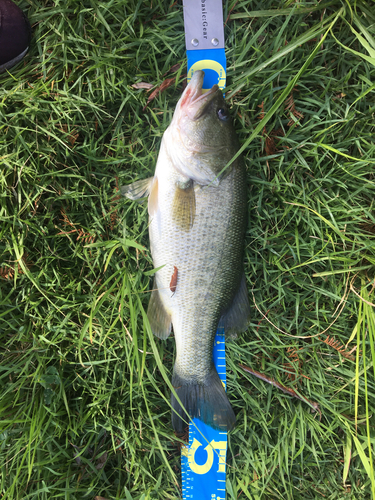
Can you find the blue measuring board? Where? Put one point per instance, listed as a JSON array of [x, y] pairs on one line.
[[203, 461], [213, 62]]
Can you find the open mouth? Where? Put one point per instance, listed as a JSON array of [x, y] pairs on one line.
[[194, 100]]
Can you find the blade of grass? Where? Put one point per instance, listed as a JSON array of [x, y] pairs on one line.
[[288, 87]]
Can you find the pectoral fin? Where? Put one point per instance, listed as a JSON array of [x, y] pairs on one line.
[[237, 317], [160, 320], [138, 189], [183, 208]]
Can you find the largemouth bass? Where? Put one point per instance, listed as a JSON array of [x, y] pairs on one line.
[[197, 226]]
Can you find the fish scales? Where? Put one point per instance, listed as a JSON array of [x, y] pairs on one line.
[[209, 263], [197, 227]]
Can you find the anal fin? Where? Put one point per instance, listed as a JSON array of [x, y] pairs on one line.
[[237, 317], [160, 320]]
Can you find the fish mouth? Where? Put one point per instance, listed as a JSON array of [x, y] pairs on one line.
[[194, 101]]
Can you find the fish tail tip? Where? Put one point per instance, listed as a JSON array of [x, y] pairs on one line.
[[205, 399]]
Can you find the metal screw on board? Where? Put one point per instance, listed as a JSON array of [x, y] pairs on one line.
[[195, 42], [215, 42]]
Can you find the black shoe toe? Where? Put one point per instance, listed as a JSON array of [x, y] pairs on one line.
[[15, 33]]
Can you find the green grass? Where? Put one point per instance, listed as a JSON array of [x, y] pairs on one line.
[[84, 394]]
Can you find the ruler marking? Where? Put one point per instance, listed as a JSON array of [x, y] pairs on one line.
[[194, 485]]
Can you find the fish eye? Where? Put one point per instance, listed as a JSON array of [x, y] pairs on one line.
[[222, 114]]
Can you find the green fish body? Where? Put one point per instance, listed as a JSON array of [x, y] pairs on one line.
[[197, 228]]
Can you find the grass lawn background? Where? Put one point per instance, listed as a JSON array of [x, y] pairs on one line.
[[84, 401]]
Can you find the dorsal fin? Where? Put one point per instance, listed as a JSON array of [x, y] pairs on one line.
[[237, 317]]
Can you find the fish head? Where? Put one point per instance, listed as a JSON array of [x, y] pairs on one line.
[[202, 133]]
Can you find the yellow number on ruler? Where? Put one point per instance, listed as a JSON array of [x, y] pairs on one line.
[[209, 64], [220, 446]]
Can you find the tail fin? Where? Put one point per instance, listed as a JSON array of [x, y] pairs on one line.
[[205, 400]]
